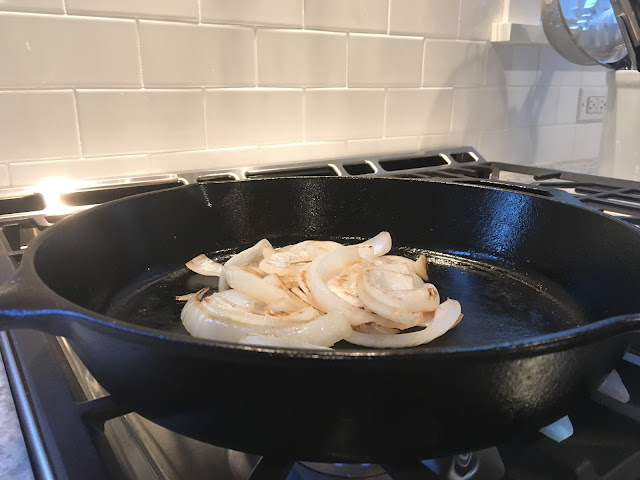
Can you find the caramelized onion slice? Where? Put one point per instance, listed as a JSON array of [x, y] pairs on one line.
[[445, 317], [420, 267], [324, 267]]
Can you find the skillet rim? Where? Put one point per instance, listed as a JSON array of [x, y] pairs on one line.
[[599, 330]]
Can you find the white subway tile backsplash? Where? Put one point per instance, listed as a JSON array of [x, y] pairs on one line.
[[41, 6], [555, 70], [522, 11], [588, 138], [25, 173], [291, 58], [453, 63], [512, 65], [204, 160], [169, 85], [529, 106], [169, 9], [433, 18], [300, 152], [60, 51], [344, 114], [139, 121], [554, 143], [479, 109], [176, 54], [349, 15], [38, 125], [568, 98], [377, 60], [594, 76], [511, 146], [373, 146], [5, 179], [253, 116], [477, 18], [449, 140], [253, 12], [418, 111]]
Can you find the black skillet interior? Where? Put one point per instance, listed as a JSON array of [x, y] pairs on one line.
[[522, 266]]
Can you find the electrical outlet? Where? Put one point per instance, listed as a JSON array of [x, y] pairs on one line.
[[592, 105], [596, 104]]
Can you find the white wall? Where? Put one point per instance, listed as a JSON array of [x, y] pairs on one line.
[[95, 88]]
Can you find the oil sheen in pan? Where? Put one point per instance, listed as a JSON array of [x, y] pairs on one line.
[[501, 304]]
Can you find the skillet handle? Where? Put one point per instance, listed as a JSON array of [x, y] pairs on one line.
[[25, 304]]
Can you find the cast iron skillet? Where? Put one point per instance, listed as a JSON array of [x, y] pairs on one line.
[[549, 292]]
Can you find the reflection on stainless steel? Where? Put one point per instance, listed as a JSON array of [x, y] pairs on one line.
[[464, 466], [482, 465]]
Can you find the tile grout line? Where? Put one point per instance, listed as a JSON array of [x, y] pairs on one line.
[[384, 113], [139, 46], [388, 17], [458, 30], [424, 61], [77, 112], [346, 59], [204, 113], [304, 115], [255, 57]]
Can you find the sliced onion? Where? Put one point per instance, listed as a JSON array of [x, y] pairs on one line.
[[402, 264], [382, 303], [445, 317], [274, 280], [381, 243], [280, 262], [389, 280], [252, 285], [321, 269], [268, 251], [375, 329], [185, 298], [203, 265], [323, 331], [245, 257], [223, 307], [343, 284], [423, 299], [290, 310], [420, 267], [273, 341], [280, 295], [315, 248]]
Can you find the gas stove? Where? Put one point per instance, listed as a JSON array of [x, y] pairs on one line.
[[74, 431]]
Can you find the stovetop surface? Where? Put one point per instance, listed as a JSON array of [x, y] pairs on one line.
[[74, 431]]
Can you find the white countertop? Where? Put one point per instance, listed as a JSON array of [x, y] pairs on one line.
[[14, 461]]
